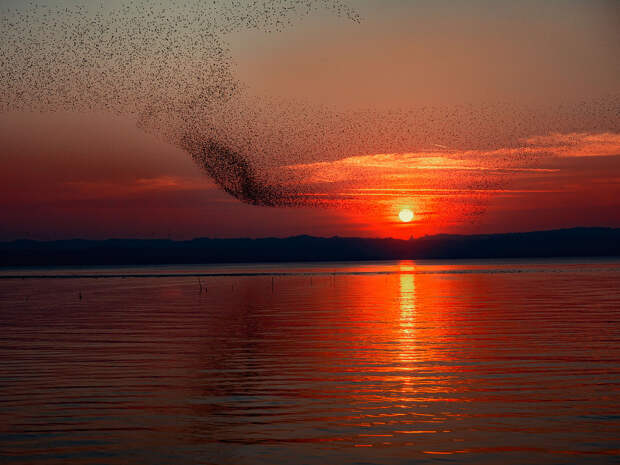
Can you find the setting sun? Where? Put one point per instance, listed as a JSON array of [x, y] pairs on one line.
[[405, 215]]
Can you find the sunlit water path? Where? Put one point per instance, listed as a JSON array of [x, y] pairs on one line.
[[509, 362]]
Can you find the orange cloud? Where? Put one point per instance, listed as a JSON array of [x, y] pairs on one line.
[[578, 144], [105, 189], [506, 159]]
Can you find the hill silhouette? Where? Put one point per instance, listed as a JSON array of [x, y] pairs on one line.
[[576, 242]]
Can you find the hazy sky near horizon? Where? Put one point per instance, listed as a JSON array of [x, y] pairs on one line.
[[480, 116]]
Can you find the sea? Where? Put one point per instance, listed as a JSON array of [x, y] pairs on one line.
[[429, 362]]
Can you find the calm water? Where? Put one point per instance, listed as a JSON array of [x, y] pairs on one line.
[[391, 363]]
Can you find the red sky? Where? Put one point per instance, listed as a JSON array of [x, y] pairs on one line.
[[481, 117], [96, 176]]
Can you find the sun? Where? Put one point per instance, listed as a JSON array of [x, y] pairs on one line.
[[405, 215]]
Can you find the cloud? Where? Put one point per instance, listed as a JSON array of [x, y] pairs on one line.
[[578, 144], [414, 165]]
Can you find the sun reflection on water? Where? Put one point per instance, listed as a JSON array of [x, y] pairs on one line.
[[380, 363], [407, 299]]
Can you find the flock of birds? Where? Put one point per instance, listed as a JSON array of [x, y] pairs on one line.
[[170, 67], [167, 65]]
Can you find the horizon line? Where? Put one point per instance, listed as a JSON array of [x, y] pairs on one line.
[[296, 236]]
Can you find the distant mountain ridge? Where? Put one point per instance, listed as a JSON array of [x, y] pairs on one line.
[[575, 242]]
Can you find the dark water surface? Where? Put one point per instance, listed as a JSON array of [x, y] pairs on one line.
[[392, 363]]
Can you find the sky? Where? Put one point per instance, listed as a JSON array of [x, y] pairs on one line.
[[254, 119]]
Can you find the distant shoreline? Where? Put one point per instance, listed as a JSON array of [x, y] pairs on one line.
[[575, 242]]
